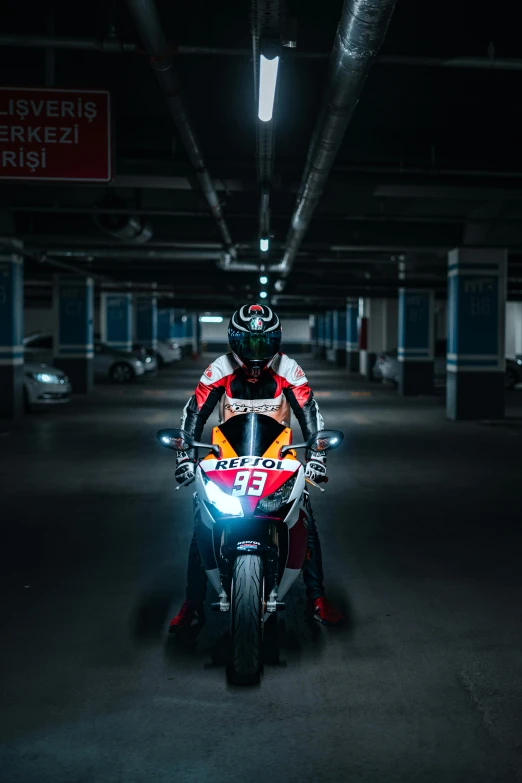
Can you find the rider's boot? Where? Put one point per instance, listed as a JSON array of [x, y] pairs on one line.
[[321, 609], [190, 616]]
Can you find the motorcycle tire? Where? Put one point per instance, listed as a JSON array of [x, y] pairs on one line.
[[246, 621]]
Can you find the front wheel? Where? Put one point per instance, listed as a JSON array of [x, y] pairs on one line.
[[121, 372], [246, 620]]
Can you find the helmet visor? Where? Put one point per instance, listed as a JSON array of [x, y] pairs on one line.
[[255, 346]]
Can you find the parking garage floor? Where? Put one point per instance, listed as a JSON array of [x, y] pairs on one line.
[[421, 532]]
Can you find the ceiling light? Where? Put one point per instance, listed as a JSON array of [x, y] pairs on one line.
[[263, 294], [211, 319], [267, 85], [263, 245], [263, 280]]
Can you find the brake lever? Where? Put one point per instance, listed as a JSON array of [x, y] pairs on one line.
[[185, 483], [309, 481]]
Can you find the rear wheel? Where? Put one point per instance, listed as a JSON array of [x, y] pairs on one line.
[[122, 373], [246, 620]]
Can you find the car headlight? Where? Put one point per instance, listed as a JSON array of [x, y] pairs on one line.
[[519, 361], [148, 360], [44, 377], [226, 504], [278, 498]]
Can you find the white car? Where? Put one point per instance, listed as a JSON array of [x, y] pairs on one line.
[[45, 385], [118, 366], [167, 352]]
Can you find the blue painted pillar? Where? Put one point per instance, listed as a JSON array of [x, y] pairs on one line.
[[74, 330], [416, 340], [321, 319], [352, 335], [476, 325], [339, 330], [166, 323], [11, 330], [147, 321], [116, 319]]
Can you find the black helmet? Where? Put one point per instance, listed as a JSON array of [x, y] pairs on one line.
[[254, 334]]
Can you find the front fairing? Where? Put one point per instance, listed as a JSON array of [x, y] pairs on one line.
[[249, 479]]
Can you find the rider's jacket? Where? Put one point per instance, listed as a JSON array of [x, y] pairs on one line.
[[280, 388]]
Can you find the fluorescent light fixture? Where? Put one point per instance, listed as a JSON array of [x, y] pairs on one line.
[[267, 86], [263, 245], [263, 294], [263, 280], [211, 319]]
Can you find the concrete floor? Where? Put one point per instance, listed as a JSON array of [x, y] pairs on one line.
[[421, 531]]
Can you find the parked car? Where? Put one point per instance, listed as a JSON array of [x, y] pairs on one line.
[[145, 355], [45, 385], [387, 367], [387, 364], [167, 352], [513, 372], [119, 366]]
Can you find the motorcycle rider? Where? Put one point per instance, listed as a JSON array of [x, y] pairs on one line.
[[254, 377]]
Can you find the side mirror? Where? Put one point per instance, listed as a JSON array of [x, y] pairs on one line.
[[179, 440], [321, 441]]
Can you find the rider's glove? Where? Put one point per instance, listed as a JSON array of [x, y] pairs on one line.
[[186, 467], [316, 467]]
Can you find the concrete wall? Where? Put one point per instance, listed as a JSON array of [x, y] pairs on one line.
[[296, 335]]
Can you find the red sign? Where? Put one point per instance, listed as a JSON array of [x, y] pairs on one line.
[[53, 134]]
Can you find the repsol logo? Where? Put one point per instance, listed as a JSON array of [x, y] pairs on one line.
[[249, 462]]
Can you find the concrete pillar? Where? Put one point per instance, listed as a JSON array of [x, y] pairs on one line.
[[11, 330], [416, 341], [116, 319], [476, 325], [390, 325], [166, 322], [339, 328], [362, 327], [329, 337], [196, 335], [74, 329], [352, 335], [321, 323], [146, 331], [313, 333]]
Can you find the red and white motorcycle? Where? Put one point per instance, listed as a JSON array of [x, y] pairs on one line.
[[250, 498]]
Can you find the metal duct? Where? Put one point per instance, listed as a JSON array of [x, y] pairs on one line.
[[147, 21], [360, 33]]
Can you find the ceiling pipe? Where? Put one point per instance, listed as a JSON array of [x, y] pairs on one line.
[[136, 254], [148, 23], [359, 36], [113, 45]]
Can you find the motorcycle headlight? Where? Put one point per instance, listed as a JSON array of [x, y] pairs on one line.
[[226, 504], [278, 498]]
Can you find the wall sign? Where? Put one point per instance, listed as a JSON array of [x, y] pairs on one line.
[[55, 134]]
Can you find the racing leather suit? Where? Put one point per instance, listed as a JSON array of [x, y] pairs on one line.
[[280, 388]]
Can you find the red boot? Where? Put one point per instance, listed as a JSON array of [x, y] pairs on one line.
[[189, 616], [323, 611]]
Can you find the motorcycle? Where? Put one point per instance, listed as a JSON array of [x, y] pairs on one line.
[[252, 523]]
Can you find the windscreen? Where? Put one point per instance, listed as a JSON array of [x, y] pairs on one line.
[[251, 434]]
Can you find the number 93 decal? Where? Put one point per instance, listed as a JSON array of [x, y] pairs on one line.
[[249, 483]]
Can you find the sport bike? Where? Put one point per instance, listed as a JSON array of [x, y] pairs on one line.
[[251, 523]]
